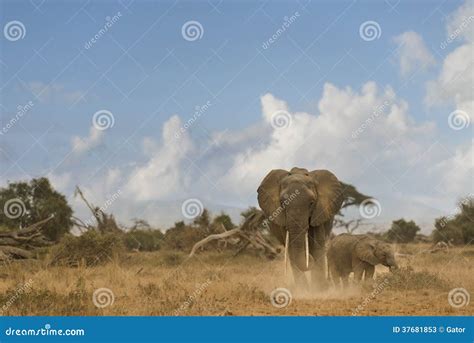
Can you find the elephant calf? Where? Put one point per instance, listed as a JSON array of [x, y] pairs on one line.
[[357, 253]]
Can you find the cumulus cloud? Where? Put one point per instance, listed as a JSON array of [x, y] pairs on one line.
[[413, 53], [457, 172], [53, 92], [454, 84], [81, 145], [163, 174], [347, 132]]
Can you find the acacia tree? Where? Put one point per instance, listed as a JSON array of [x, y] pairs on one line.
[[24, 203], [402, 231], [352, 197]]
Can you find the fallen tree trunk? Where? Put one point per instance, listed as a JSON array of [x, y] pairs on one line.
[[19, 244], [248, 234]]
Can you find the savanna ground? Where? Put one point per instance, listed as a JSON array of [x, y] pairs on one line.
[[216, 284]]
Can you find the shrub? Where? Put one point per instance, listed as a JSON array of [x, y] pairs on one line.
[[34, 201], [408, 279], [459, 228], [90, 249], [402, 231], [143, 239]]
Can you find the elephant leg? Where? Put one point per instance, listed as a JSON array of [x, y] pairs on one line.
[[345, 281], [317, 242], [299, 277], [369, 272], [358, 268]]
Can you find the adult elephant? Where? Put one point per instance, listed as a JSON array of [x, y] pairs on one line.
[[300, 206]]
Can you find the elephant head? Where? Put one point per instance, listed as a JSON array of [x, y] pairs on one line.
[[376, 252], [297, 199]]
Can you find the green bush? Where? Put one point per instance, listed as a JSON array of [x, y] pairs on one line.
[[408, 279], [402, 231], [143, 239], [90, 249], [33, 201], [459, 228]]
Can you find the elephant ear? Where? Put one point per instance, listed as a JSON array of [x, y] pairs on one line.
[[269, 196], [330, 198], [365, 250]]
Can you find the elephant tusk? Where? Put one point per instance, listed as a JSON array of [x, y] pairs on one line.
[[287, 241], [306, 241]]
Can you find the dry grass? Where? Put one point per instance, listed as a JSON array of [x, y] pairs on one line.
[[165, 283]]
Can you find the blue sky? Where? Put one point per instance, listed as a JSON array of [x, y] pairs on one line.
[[144, 72]]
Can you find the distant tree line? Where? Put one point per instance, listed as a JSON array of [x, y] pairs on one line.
[[36, 200]]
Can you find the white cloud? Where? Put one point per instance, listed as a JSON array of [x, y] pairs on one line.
[[457, 172], [454, 84], [85, 144], [413, 53], [326, 140], [460, 22], [53, 92], [162, 175]]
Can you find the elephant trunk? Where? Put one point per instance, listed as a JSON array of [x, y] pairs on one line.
[[392, 264], [298, 249]]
